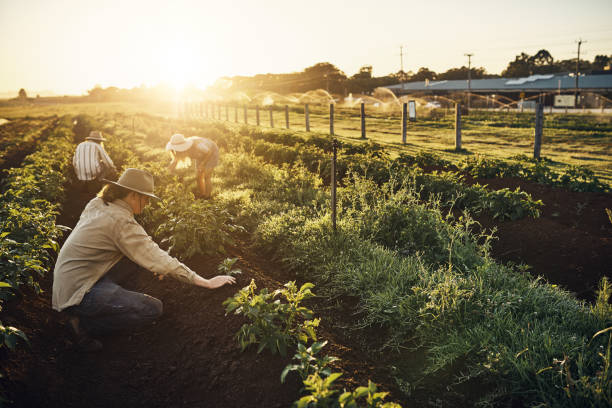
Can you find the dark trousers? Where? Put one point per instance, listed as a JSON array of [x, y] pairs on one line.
[[108, 307]]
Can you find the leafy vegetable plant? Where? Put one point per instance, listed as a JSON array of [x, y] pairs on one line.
[[308, 363], [226, 267], [273, 324]]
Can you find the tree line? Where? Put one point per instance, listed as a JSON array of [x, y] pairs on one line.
[[327, 76]]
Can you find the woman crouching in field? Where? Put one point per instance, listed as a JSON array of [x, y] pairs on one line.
[[204, 151], [87, 273]]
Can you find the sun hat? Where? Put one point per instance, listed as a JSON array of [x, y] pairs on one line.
[[178, 143], [95, 135], [137, 180]]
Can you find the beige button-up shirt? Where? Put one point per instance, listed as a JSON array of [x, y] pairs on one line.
[[103, 235]]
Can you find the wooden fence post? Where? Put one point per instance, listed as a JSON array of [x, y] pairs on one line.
[[363, 128], [236, 113], [257, 114], [271, 118], [226, 113], [404, 121], [201, 110], [307, 116], [287, 116], [331, 119], [333, 183], [539, 124], [246, 118], [458, 127], [219, 111]]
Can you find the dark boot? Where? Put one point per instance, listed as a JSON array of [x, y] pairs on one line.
[[83, 341]]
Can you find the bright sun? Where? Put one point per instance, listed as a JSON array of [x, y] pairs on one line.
[[183, 65]]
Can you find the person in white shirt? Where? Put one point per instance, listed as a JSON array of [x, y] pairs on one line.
[[92, 163]]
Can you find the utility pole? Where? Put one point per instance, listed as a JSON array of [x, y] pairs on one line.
[[577, 73], [403, 79], [469, 78]]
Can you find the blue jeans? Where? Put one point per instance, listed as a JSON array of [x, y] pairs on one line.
[[107, 307]]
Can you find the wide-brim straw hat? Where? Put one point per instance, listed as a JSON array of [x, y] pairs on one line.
[[178, 143], [95, 135], [137, 180]]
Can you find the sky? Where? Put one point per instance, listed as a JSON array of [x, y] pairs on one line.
[[69, 46]]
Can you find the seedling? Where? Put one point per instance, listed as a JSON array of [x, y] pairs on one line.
[[225, 267]]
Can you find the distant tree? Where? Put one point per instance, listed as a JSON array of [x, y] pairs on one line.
[[542, 57], [462, 73], [402, 76], [543, 63], [22, 95], [365, 72], [600, 62], [325, 76], [362, 81], [521, 67], [423, 74]]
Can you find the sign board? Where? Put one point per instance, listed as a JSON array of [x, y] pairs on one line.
[[412, 111], [565, 101], [526, 104]]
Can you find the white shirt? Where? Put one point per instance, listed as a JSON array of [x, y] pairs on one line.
[[87, 158]]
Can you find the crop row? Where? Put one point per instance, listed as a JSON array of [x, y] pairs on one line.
[[20, 137], [574, 178], [29, 205], [373, 163], [426, 283]]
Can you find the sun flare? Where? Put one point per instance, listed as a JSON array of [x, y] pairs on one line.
[[183, 65]]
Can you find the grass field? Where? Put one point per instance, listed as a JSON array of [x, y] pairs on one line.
[[576, 139]]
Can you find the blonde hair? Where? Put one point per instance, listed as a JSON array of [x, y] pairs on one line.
[[183, 159]]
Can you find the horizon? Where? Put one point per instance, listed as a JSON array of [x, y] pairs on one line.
[[69, 47]]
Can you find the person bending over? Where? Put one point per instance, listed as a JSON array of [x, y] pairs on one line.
[[204, 151], [84, 280], [91, 163]]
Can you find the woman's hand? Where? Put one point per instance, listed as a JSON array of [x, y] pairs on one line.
[[216, 282]]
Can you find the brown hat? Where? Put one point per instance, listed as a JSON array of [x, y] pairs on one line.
[[95, 135], [137, 180]]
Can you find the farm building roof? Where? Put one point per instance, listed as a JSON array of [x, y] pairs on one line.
[[534, 83]]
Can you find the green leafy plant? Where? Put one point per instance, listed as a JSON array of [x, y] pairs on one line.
[[370, 396], [273, 324], [323, 395], [308, 362], [9, 336], [507, 204], [226, 267]]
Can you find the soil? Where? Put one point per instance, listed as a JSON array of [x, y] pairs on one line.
[[569, 245], [190, 356]]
